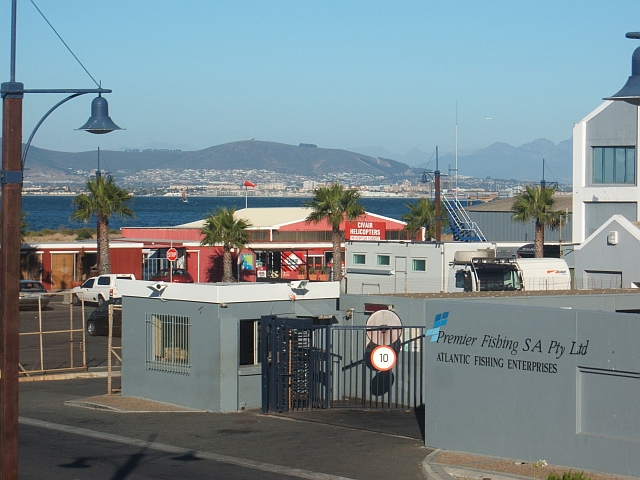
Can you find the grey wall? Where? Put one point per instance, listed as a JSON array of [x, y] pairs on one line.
[[565, 390], [597, 213], [596, 261], [202, 386], [498, 227], [215, 382]]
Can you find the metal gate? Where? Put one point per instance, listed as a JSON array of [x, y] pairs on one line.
[[307, 366]]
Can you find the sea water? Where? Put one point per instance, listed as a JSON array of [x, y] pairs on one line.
[[54, 212]]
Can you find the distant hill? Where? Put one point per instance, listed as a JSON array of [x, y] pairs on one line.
[[245, 155], [498, 160]]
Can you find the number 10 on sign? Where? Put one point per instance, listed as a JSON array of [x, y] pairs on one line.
[[383, 358]]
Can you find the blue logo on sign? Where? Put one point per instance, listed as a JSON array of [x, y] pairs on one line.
[[440, 321]]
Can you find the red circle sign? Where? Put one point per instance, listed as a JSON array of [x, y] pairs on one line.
[[172, 254], [383, 358]]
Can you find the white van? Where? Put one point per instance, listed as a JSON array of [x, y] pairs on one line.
[[99, 289]]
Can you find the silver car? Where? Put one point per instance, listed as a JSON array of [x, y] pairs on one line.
[[30, 292]]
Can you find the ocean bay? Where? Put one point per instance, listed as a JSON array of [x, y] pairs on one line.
[[53, 212]]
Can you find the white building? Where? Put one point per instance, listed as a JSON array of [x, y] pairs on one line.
[[604, 167]]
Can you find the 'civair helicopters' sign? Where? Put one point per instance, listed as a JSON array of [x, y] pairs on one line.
[[365, 231]]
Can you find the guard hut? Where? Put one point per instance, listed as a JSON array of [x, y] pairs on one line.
[[197, 345]]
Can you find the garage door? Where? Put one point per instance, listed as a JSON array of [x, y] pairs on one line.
[[596, 279], [62, 265]]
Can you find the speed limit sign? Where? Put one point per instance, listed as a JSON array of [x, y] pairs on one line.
[[383, 358]]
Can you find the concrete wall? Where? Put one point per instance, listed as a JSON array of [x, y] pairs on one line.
[[601, 260], [528, 382]]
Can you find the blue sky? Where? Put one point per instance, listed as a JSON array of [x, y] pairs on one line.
[[194, 74]]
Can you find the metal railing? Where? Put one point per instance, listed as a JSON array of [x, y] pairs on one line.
[[307, 366], [50, 342], [464, 229]]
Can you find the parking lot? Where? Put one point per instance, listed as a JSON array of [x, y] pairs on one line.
[[54, 339]]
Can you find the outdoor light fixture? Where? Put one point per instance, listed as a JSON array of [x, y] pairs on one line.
[[630, 93], [11, 178], [99, 122]]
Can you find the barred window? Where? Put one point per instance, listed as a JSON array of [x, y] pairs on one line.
[[168, 340], [614, 165]]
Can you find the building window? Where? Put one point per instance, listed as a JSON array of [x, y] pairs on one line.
[[419, 265], [249, 342], [359, 259], [384, 260], [614, 165], [168, 340]]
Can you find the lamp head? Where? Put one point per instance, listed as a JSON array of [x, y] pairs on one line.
[[630, 92], [99, 121]]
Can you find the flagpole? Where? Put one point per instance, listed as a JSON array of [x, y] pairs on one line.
[[245, 196]]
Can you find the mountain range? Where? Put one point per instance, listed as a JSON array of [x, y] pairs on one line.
[[498, 161]]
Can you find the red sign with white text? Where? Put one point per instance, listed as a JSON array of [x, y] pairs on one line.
[[365, 231]]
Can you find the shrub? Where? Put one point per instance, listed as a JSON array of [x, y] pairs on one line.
[[84, 234], [570, 475]]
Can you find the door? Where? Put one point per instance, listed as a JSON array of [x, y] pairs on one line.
[[401, 275], [295, 364], [62, 267]]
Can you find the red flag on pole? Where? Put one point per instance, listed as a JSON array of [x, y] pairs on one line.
[[247, 183]]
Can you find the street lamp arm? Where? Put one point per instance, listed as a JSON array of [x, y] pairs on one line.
[[28, 144]]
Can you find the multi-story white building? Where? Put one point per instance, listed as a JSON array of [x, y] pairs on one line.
[[605, 172]]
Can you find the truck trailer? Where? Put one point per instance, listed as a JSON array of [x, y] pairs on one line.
[[486, 274]]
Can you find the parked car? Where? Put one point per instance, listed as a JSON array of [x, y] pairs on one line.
[[98, 320], [178, 275], [98, 290], [30, 292]]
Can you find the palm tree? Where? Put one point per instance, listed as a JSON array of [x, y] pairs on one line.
[[334, 204], [536, 202], [222, 227], [104, 200], [422, 214]]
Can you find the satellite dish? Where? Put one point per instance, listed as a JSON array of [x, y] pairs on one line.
[[384, 327]]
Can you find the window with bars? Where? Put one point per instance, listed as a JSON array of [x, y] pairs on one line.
[[167, 345]]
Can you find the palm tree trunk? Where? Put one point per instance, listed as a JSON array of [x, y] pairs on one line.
[[336, 239], [539, 240], [104, 262], [227, 272]]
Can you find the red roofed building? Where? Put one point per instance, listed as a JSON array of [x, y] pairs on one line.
[[282, 245]]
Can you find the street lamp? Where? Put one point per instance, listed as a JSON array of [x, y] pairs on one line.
[[630, 93], [436, 177], [11, 177]]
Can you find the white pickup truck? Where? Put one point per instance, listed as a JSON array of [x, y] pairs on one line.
[[99, 289]]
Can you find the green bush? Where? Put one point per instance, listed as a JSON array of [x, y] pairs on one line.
[[570, 475], [84, 234]]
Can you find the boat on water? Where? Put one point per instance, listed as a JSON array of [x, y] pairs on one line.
[[184, 196]]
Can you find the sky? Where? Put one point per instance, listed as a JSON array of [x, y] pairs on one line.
[[339, 74]]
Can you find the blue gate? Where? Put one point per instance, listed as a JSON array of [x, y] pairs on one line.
[[307, 366]]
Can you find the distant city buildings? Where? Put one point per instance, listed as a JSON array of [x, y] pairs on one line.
[[203, 182]]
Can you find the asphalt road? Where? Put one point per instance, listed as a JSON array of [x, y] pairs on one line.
[[58, 440], [59, 350], [53, 454]]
